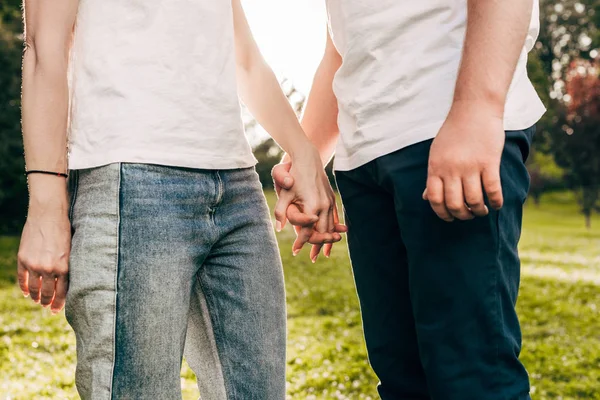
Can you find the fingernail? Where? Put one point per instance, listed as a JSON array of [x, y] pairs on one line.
[[278, 226], [295, 252], [287, 181], [314, 259]]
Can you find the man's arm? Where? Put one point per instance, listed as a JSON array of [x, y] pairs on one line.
[[45, 243], [467, 151], [320, 114], [262, 94], [320, 124]]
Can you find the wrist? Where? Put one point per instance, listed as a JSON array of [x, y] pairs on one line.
[[302, 151], [466, 108], [47, 195]]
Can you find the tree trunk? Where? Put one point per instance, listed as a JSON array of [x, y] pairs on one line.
[[588, 220]]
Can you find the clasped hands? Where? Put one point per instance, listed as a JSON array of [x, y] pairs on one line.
[[309, 206]]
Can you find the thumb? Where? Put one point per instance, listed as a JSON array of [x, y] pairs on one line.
[[297, 217], [281, 176], [283, 202]]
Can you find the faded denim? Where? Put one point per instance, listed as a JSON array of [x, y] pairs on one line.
[[169, 260]]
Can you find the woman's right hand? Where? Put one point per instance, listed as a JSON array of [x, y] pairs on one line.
[[43, 258], [312, 195]]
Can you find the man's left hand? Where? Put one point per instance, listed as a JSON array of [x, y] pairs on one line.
[[464, 162]]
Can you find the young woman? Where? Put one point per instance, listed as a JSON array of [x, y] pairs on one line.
[[165, 239]]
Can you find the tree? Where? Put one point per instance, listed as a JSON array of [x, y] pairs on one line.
[[576, 146], [569, 31], [13, 191]]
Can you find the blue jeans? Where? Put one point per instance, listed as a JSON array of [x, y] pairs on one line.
[[169, 260], [437, 298]]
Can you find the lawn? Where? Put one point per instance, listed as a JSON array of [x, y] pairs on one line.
[[559, 308]]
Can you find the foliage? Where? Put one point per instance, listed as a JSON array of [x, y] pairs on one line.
[[576, 146], [569, 32], [13, 195], [559, 309]]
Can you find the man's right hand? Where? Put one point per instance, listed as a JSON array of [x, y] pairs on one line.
[[43, 258], [303, 224]]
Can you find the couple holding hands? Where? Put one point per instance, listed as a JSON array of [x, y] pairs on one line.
[[159, 241]]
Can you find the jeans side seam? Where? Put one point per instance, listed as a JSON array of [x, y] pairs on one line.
[[214, 324], [118, 260], [211, 331]]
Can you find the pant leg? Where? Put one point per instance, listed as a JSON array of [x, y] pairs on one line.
[[237, 330], [135, 250], [380, 266], [464, 279]]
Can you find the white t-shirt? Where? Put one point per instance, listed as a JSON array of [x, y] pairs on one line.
[[154, 82], [400, 63]]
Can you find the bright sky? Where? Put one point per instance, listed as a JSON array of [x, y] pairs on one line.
[[291, 36]]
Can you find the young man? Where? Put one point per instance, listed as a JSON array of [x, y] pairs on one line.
[[172, 242], [437, 280]]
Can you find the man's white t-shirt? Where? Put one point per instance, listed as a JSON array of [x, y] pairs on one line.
[[400, 64], [154, 82]]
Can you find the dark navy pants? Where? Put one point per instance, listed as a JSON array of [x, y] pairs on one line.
[[437, 298]]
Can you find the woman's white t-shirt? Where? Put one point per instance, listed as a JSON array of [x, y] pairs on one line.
[[154, 82]]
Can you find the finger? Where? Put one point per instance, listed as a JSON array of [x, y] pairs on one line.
[[62, 285], [435, 194], [302, 237], [297, 217], [34, 283], [320, 238], [327, 249], [23, 277], [340, 228], [47, 291], [493, 187], [281, 207], [314, 252], [282, 177], [324, 212], [455, 199], [474, 195]]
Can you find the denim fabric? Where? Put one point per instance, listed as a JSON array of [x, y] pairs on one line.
[[437, 298], [169, 260]]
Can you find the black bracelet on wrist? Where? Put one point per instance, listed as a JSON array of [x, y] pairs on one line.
[[46, 173]]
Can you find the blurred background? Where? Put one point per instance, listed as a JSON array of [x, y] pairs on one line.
[[560, 248]]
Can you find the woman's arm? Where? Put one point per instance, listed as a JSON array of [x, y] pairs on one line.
[[45, 243], [262, 94]]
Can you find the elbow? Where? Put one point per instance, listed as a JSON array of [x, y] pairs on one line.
[[50, 56], [250, 63]]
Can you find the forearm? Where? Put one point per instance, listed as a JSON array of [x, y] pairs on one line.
[[260, 91], [44, 115], [321, 111], [495, 36], [320, 114]]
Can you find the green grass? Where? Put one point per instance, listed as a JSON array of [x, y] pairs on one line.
[[559, 308]]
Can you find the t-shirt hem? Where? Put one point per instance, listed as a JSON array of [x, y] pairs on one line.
[[383, 148], [386, 147], [196, 161]]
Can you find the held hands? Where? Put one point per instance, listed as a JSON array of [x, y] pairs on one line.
[[464, 161], [308, 202]]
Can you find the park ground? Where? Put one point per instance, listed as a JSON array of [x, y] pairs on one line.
[[559, 307]]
